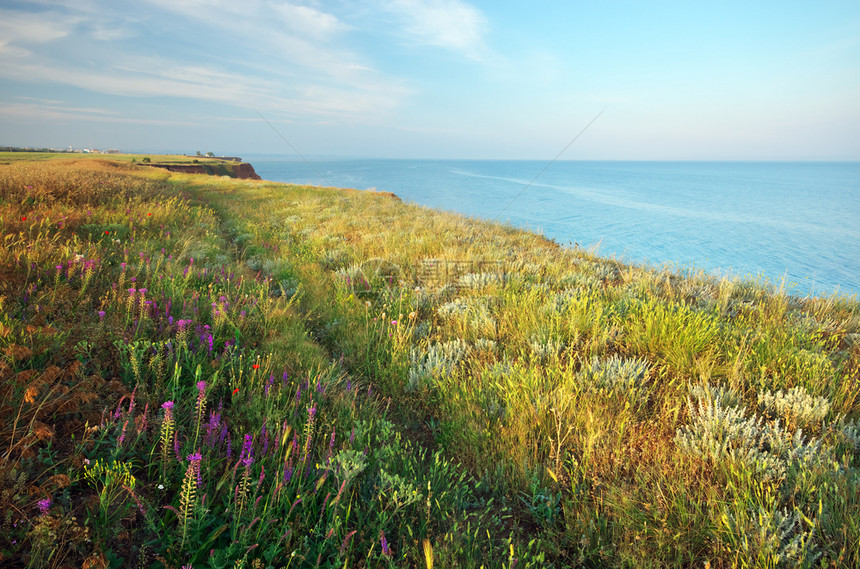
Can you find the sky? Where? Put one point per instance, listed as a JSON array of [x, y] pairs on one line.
[[441, 79]]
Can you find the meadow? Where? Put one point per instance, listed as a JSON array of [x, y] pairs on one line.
[[208, 372]]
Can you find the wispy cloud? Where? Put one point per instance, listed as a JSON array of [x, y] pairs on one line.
[[30, 28], [309, 21], [449, 24], [289, 59], [50, 110]]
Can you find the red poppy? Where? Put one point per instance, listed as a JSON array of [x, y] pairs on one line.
[[148, 214], [107, 232], [256, 366], [24, 218], [235, 391]]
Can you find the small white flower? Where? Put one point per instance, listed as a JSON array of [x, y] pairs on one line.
[[161, 486]]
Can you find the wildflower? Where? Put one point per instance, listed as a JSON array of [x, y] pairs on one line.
[[107, 232], [24, 218], [122, 265], [101, 315], [385, 549], [201, 395], [235, 391], [246, 457], [195, 460], [256, 366], [44, 505]]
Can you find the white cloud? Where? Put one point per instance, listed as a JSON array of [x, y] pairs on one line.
[[308, 21], [50, 110], [449, 24], [287, 59], [31, 28]]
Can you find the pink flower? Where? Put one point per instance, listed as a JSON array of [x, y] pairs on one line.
[[44, 505]]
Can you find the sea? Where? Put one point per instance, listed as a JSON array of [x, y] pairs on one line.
[[790, 224]]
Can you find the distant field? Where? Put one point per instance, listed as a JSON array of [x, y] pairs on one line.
[[8, 157], [209, 372]]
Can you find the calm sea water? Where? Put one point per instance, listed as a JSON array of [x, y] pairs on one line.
[[798, 221]]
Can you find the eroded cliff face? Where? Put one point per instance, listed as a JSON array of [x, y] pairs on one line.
[[243, 171]]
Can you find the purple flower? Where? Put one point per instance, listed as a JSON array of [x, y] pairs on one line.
[[101, 315], [247, 455], [195, 459], [168, 410], [312, 412], [385, 549], [44, 505], [201, 386]]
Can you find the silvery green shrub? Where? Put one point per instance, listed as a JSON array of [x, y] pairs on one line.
[[795, 406], [485, 345], [479, 281], [720, 433], [615, 373], [545, 349], [437, 361]]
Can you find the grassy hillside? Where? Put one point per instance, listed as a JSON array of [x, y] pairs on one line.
[[208, 372]]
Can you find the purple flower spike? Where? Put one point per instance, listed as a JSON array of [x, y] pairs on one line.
[[195, 459], [247, 455], [101, 315], [201, 386]]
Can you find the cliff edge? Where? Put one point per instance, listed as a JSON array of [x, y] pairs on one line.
[[242, 171]]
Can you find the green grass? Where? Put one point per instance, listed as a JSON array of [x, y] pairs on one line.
[[359, 382]]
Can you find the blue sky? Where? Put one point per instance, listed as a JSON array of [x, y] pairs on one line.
[[436, 78]]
